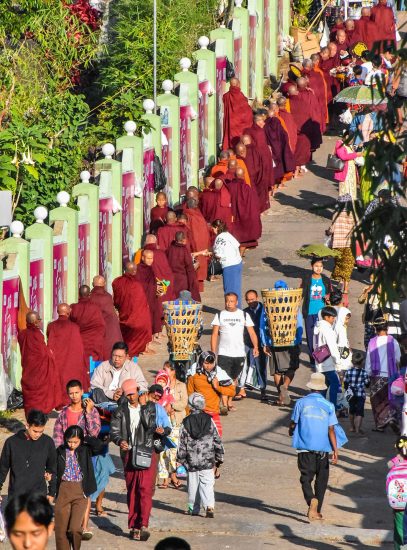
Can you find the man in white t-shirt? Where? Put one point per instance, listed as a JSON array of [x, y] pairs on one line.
[[228, 342]]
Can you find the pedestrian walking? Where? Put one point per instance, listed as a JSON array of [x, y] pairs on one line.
[[313, 429], [228, 341], [255, 310], [75, 482], [227, 249], [30, 457], [201, 451], [395, 483], [356, 381], [28, 519]]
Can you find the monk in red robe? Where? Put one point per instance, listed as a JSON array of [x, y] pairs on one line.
[[134, 314], [200, 239], [258, 135], [300, 114], [326, 64], [215, 203], [241, 156], [166, 234], [145, 276], [255, 167], [385, 27], [350, 30], [342, 43], [39, 383], [246, 212], [180, 261], [317, 84], [339, 24], [65, 342], [277, 138], [289, 123], [315, 58], [365, 30], [237, 114], [158, 213], [222, 164], [91, 324], [101, 298], [241, 164], [162, 269], [308, 104]]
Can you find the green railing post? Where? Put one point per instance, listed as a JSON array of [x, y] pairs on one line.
[[240, 27], [189, 124], [221, 87], [109, 174], [170, 118], [206, 71], [87, 199], [151, 147], [40, 295], [256, 45], [227, 35], [130, 148]]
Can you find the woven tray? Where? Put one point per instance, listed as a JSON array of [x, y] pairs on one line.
[[182, 321], [282, 309]]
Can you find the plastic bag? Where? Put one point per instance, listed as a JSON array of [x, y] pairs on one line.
[[2, 528]]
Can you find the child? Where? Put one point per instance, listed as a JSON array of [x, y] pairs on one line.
[[357, 380], [341, 331], [355, 77], [75, 482], [159, 212], [397, 462], [200, 450]]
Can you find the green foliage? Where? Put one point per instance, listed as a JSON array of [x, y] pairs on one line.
[[301, 9]]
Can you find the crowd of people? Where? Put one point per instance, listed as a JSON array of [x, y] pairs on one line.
[[171, 428]]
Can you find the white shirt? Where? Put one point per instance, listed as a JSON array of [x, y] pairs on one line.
[[366, 68], [382, 349], [231, 328], [114, 384], [134, 420], [226, 248]]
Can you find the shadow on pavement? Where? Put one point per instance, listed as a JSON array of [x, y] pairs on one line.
[[308, 201]]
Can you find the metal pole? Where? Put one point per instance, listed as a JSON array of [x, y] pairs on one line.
[[155, 54]]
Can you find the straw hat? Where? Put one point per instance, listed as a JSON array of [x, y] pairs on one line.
[[317, 382]]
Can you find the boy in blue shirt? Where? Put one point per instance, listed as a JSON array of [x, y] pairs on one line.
[[313, 429]]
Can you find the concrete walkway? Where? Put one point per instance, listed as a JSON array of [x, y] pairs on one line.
[[259, 502]]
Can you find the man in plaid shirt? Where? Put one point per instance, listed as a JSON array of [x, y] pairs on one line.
[[357, 380]]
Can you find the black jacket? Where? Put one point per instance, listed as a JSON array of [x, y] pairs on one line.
[[120, 426], [306, 290], [83, 454], [28, 460]]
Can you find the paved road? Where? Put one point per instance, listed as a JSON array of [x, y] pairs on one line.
[[259, 503]]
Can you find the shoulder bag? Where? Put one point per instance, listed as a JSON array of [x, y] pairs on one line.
[[321, 353], [335, 163]]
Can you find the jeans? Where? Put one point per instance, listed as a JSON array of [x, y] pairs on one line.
[[310, 322], [314, 465], [232, 281], [332, 381]]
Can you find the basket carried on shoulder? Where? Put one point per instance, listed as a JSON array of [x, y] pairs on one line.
[[282, 307], [182, 321]]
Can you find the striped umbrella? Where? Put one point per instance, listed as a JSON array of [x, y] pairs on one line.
[[360, 95]]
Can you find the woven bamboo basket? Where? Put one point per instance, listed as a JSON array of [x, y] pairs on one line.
[[182, 322], [282, 309]]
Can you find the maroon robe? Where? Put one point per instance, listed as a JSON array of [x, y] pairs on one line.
[[145, 276], [334, 30], [92, 326], [39, 382], [300, 115], [246, 212], [265, 159], [180, 261], [291, 128], [237, 114], [166, 235], [200, 240], [277, 138], [100, 297], [134, 314], [157, 218], [216, 205], [317, 85], [208, 203], [304, 109], [65, 342], [365, 31], [384, 25], [162, 270]]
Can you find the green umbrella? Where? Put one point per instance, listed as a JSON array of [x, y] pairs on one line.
[[360, 95], [317, 251]]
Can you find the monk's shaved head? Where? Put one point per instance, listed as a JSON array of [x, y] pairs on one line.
[[333, 49], [292, 90], [32, 318], [150, 239], [232, 164], [147, 257], [301, 83], [171, 217], [98, 280], [182, 217], [207, 181], [161, 195], [192, 193], [235, 82], [241, 149], [365, 12], [281, 101], [218, 183], [63, 310], [130, 268], [259, 120], [84, 291], [192, 203], [349, 24], [315, 59], [180, 237], [246, 139], [307, 64], [324, 53], [224, 155], [240, 173]]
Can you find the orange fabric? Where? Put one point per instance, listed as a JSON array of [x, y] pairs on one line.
[[222, 166], [137, 256], [241, 164], [287, 105], [199, 383]]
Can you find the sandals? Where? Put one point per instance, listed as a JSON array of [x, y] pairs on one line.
[[232, 408], [101, 513], [176, 485], [238, 397], [162, 485], [135, 534]]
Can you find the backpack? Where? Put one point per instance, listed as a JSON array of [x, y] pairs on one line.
[[396, 486]]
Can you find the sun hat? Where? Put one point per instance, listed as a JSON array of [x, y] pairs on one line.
[[317, 382]]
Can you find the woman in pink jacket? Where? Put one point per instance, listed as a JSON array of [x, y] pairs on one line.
[[348, 177]]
